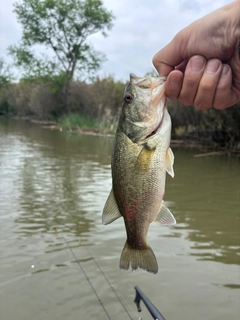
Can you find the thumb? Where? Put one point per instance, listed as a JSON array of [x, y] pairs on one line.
[[167, 58]]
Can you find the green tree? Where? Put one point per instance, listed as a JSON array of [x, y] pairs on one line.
[[5, 74], [5, 79], [62, 28]]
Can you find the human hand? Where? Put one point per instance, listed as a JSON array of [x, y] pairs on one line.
[[202, 61]]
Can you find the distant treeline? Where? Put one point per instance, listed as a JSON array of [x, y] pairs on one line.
[[47, 101], [101, 100], [50, 91]]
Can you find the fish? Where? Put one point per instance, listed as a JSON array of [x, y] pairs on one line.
[[140, 159]]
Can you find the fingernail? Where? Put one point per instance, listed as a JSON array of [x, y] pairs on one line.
[[197, 63], [212, 66], [225, 70]]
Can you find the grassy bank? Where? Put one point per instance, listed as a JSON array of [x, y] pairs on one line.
[[95, 107], [83, 123]]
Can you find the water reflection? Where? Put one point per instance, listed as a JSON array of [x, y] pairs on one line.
[[58, 181], [55, 184], [207, 198], [61, 180]]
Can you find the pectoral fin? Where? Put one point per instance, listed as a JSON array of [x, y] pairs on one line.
[[165, 216], [144, 159], [110, 210], [169, 162]]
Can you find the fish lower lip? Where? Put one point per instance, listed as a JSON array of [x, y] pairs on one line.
[[155, 130], [152, 133]]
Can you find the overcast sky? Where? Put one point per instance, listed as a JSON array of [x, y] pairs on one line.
[[141, 28]]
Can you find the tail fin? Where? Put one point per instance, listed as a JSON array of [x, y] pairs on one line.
[[144, 259]]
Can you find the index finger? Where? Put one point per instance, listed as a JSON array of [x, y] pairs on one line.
[[167, 58]]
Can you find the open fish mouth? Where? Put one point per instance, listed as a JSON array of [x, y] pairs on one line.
[[151, 89], [157, 127], [155, 131]]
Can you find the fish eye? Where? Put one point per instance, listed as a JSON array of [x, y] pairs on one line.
[[128, 97]]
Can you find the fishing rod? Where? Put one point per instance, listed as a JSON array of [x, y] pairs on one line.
[[151, 308], [110, 285], [90, 283]]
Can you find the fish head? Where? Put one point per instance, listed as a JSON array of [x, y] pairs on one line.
[[143, 107]]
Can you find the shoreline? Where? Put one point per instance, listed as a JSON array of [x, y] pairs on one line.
[[206, 150]]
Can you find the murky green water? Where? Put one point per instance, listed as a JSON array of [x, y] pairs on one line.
[[53, 186]]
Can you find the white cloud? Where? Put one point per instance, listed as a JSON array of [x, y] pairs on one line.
[[141, 28], [190, 5], [10, 30]]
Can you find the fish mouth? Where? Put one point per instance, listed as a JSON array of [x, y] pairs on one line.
[[152, 134], [155, 131], [146, 82], [151, 91]]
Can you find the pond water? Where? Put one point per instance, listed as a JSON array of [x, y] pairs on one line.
[[54, 251]]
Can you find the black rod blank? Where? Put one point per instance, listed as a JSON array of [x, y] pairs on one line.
[[151, 308]]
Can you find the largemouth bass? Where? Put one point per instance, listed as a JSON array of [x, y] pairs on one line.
[[140, 160]]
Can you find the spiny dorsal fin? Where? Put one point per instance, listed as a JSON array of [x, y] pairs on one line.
[[165, 216], [169, 162], [110, 210]]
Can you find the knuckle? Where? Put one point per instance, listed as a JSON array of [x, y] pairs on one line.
[[155, 60], [173, 95], [220, 107], [191, 79], [191, 82], [220, 104], [224, 98], [203, 104], [186, 101], [207, 86]]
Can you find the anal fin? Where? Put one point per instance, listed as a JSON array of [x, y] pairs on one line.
[[165, 216]]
